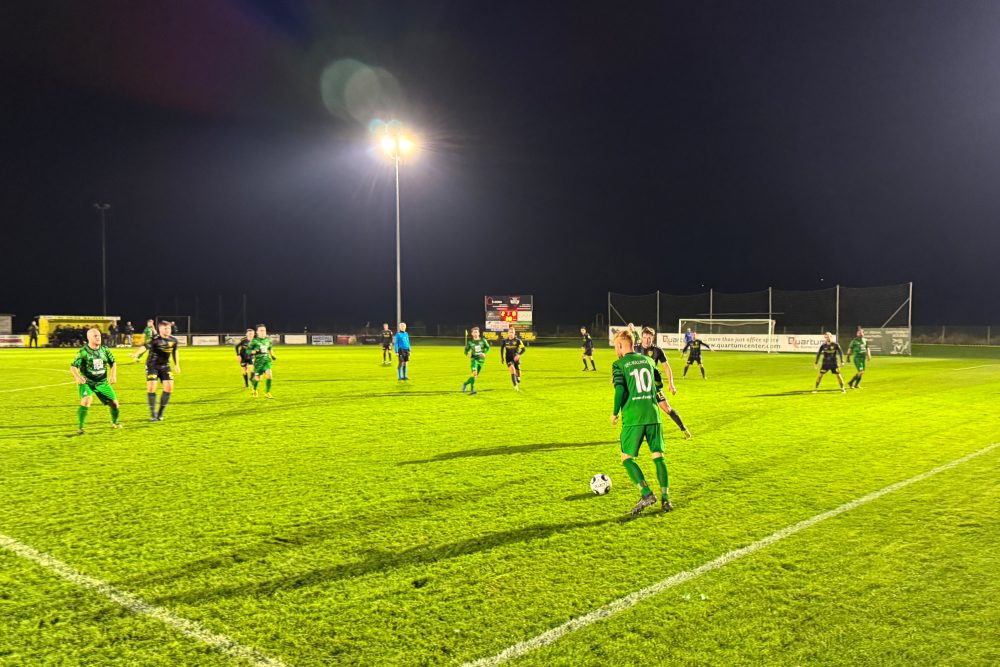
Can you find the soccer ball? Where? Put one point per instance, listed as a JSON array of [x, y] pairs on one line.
[[600, 484]]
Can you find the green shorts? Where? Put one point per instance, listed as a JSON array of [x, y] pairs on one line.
[[859, 363], [477, 365], [103, 390], [632, 437], [261, 366]]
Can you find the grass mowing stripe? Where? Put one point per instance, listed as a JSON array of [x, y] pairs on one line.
[[130, 602], [969, 368], [621, 604]]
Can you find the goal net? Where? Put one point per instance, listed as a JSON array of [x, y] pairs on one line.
[[754, 334]]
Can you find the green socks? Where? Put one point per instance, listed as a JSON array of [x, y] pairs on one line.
[[635, 474], [661, 477], [81, 415], [255, 383], [267, 384], [472, 383], [114, 415]]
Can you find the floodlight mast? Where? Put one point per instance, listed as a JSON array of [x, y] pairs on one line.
[[395, 143]]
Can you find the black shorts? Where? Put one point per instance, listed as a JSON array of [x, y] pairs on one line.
[[386, 346], [588, 351], [159, 372], [244, 362], [509, 360], [694, 359], [830, 366], [404, 355]]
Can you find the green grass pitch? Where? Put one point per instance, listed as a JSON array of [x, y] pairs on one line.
[[355, 520]]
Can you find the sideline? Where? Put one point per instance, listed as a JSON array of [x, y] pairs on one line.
[[631, 600], [187, 627]]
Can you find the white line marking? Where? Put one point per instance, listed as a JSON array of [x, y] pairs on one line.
[[41, 386], [969, 368], [192, 629], [631, 600]]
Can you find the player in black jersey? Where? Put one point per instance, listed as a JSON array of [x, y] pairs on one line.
[[588, 349], [243, 357], [162, 348], [386, 335], [512, 347], [695, 344], [829, 351], [659, 359]]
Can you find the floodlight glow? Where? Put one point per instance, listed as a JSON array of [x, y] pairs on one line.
[[405, 145], [388, 144]]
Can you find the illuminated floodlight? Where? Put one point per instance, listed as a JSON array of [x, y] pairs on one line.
[[388, 144]]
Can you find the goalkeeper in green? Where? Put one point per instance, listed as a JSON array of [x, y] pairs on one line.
[[860, 353], [95, 371], [635, 403], [475, 349]]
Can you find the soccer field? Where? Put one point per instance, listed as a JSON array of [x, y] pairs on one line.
[[356, 520]]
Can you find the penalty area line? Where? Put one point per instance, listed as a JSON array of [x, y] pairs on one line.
[[631, 600], [185, 626]]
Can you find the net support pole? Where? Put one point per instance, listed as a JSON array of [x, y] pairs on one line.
[[657, 311], [836, 319], [711, 305], [609, 310], [770, 318], [909, 314]]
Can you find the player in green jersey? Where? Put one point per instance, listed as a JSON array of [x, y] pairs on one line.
[[147, 338], [634, 334], [261, 352], [860, 354], [635, 401], [475, 349], [94, 371]]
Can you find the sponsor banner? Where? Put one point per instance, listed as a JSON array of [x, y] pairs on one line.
[[347, 340], [182, 341], [888, 341], [368, 339], [6, 324], [321, 339], [233, 339], [613, 331], [806, 343], [205, 340], [11, 341], [296, 339]]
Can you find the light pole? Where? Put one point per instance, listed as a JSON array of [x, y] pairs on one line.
[[103, 210], [395, 143]]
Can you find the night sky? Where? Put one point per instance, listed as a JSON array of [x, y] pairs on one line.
[[567, 149]]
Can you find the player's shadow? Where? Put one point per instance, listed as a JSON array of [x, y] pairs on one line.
[[802, 392], [504, 451], [384, 561]]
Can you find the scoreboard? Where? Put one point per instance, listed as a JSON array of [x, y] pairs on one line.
[[503, 311]]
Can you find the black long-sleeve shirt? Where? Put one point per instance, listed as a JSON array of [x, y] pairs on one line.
[[829, 352]]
